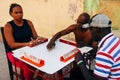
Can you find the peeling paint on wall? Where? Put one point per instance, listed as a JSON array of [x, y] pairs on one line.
[[108, 7], [72, 8]]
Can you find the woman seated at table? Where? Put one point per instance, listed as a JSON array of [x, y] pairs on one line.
[[18, 33]]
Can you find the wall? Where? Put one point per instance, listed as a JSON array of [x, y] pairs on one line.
[[51, 16], [108, 7], [48, 16]]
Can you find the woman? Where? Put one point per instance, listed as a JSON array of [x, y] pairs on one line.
[[18, 33]]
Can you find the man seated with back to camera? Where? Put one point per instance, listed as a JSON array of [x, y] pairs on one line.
[[83, 37], [107, 61]]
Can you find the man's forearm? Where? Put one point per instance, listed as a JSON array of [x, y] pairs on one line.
[[86, 73]]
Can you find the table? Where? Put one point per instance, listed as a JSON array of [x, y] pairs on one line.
[[50, 57]]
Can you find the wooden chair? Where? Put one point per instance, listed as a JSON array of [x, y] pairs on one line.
[[13, 70]]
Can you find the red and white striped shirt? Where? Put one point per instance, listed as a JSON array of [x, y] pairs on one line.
[[107, 62]]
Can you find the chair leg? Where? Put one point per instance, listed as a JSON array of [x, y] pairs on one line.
[[21, 75], [10, 70], [36, 76], [16, 74]]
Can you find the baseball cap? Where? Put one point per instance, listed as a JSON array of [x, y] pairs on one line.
[[100, 21]]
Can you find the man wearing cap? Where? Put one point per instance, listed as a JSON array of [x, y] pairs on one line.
[[107, 61]]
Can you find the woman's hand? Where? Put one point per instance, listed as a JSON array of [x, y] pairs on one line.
[[41, 40], [38, 41], [32, 43]]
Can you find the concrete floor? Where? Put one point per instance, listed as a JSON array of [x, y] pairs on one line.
[[4, 73]]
